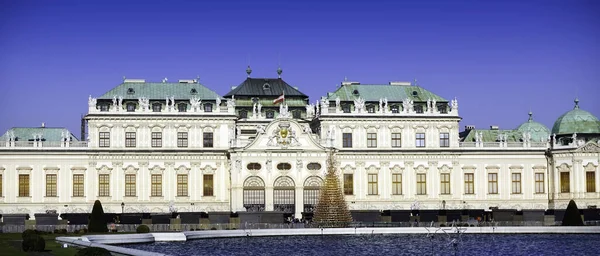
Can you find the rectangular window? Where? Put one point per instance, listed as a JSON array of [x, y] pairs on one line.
[[156, 107], [130, 139], [182, 139], [371, 140], [418, 109], [516, 183], [156, 185], [23, 185], [346, 108], [104, 185], [590, 181], [129, 184], [444, 139], [156, 139], [565, 184], [347, 140], [469, 183], [420, 140], [492, 183], [421, 184], [442, 108], [182, 185], [348, 184], [372, 184], [395, 109], [207, 107], [396, 140], [78, 185], [208, 185], [104, 139], [50, 185], [445, 183], [208, 140], [104, 107], [396, 184], [297, 114], [182, 107], [539, 183]]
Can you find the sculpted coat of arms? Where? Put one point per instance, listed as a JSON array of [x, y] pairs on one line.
[[283, 136]]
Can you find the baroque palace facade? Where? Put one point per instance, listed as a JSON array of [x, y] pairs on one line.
[[161, 147]]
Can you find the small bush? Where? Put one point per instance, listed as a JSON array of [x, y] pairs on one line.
[[33, 243], [97, 223], [63, 231], [142, 229], [93, 251], [442, 225], [213, 228], [82, 231]]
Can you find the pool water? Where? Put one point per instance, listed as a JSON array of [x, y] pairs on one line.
[[387, 244]]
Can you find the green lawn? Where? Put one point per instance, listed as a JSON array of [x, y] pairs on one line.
[[10, 244]]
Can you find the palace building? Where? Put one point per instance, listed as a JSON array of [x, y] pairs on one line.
[[156, 147]]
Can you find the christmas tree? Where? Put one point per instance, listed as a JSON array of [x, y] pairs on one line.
[[332, 210]]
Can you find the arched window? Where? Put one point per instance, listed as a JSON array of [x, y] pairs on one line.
[[130, 107], [243, 114], [254, 194], [156, 107], [284, 195], [312, 189], [208, 107]]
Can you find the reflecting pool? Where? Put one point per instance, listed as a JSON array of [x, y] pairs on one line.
[[387, 244]]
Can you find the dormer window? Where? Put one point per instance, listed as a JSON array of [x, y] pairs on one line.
[[207, 107], [415, 93], [371, 109], [355, 92], [418, 109], [442, 108], [104, 107], [266, 86], [130, 107], [156, 107], [243, 114], [130, 91], [182, 107], [270, 114], [297, 114], [193, 91], [346, 108], [395, 109]]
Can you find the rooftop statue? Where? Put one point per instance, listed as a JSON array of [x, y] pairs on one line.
[[92, 102]]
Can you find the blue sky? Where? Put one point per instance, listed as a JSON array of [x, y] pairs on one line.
[[499, 58]]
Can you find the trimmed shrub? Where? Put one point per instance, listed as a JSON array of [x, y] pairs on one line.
[[572, 216], [93, 251], [97, 221], [32, 242], [142, 229], [28, 233]]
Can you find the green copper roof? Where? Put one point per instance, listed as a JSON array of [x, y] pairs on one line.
[[492, 135], [394, 93], [538, 131], [269, 103], [154, 91], [576, 121], [28, 133]]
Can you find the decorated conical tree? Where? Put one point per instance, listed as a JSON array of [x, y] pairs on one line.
[[572, 216], [332, 210], [97, 221]]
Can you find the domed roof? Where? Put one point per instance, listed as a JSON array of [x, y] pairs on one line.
[[538, 131], [576, 121]]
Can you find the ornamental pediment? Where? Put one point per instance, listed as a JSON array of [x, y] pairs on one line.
[[285, 133], [589, 147]]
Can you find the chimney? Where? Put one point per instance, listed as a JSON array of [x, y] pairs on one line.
[[469, 127], [399, 83], [494, 127], [43, 125]]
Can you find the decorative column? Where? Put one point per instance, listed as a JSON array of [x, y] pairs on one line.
[[360, 179], [268, 186], [410, 180], [117, 178], [144, 177]]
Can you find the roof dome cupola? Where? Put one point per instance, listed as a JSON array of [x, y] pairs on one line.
[[538, 131], [279, 71], [576, 121]]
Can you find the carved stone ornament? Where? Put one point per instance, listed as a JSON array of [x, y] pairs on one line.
[[284, 136]]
